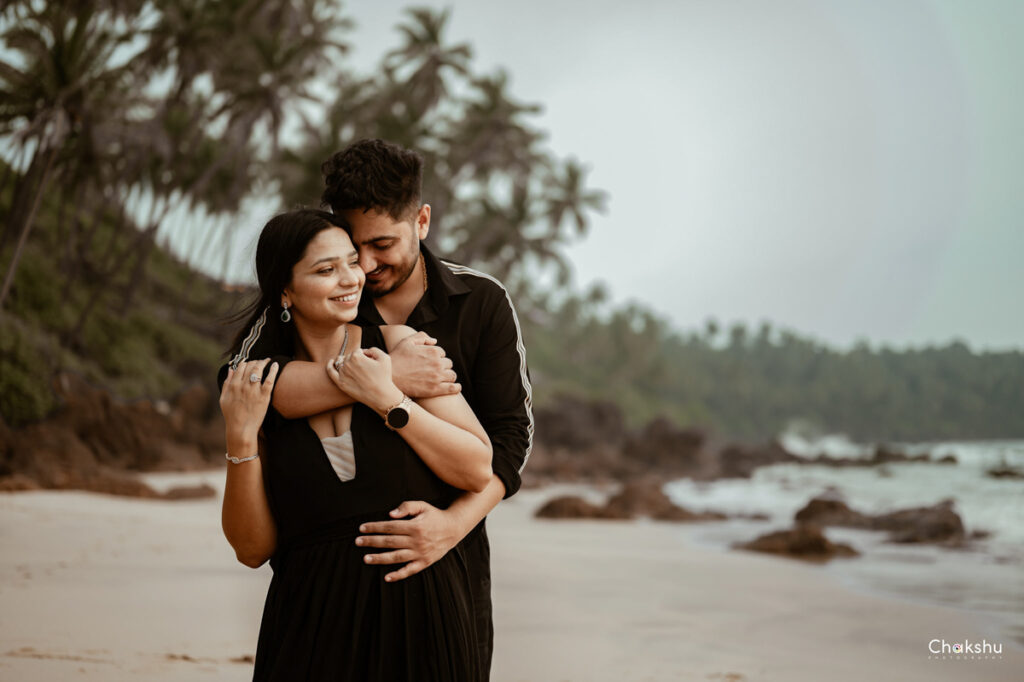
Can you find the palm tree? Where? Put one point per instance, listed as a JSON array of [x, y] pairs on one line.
[[422, 63], [51, 104], [568, 198]]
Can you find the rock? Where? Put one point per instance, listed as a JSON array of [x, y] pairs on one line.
[[881, 455], [195, 403], [178, 456], [576, 424], [92, 439], [108, 482], [47, 454], [739, 461], [828, 511], [646, 498], [947, 459], [637, 498], [884, 455], [17, 482], [122, 435], [190, 492], [804, 541], [662, 446], [936, 524], [1005, 472], [572, 507]]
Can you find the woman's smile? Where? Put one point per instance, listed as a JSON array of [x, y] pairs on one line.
[[347, 299]]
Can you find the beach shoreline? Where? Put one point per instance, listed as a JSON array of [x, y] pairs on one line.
[[104, 588]]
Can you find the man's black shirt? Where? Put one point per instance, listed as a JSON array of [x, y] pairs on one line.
[[472, 317]]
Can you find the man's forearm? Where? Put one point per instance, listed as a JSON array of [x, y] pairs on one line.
[[304, 389], [469, 509]]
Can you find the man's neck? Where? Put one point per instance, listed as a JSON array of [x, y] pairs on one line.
[[396, 306]]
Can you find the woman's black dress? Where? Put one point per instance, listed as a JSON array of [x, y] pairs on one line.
[[328, 614]]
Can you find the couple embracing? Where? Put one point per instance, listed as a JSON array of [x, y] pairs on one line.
[[377, 407]]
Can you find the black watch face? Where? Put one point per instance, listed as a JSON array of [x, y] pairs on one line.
[[398, 417]]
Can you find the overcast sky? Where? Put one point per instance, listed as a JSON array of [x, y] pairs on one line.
[[846, 169]]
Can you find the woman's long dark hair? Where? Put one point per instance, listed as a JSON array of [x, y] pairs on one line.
[[282, 243]]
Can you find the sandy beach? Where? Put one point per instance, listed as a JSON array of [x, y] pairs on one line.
[[94, 587]]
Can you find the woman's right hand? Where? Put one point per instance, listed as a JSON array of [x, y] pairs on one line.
[[365, 376], [244, 402]]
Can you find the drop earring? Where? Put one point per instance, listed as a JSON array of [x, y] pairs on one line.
[[285, 315]]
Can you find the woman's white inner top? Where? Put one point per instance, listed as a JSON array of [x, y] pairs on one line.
[[341, 453]]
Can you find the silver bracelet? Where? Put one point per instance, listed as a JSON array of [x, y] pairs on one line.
[[236, 460]]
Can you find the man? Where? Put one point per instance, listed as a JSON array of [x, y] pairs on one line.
[[468, 330]]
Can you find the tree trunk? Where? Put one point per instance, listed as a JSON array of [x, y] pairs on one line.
[[24, 205], [143, 249]]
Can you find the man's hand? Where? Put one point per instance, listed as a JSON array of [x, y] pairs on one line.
[[418, 541], [420, 369]]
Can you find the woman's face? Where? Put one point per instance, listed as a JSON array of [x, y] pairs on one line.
[[327, 281]]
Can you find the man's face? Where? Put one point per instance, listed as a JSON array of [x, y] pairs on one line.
[[388, 248]]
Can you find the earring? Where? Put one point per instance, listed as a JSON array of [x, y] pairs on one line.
[[285, 315]]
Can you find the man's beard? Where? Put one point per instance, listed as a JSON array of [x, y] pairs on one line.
[[379, 289]]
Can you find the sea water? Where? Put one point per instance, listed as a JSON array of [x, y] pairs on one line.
[[986, 576]]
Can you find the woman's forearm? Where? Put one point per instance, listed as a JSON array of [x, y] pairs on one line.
[[457, 456], [304, 389], [245, 515], [447, 437]]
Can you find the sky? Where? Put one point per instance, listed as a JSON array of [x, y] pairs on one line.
[[849, 170]]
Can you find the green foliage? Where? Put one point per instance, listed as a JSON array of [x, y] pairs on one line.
[[40, 301], [753, 385], [26, 359], [171, 335]]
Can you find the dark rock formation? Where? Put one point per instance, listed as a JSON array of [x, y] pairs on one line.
[[804, 541], [1005, 472], [829, 511], [572, 507], [576, 424], [664, 447], [881, 455], [587, 441], [739, 461], [93, 439], [935, 524], [884, 455], [190, 492], [637, 498], [646, 498]]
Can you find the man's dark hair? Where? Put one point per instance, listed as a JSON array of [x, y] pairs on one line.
[[373, 175]]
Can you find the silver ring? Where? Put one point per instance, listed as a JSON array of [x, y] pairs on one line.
[[254, 378], [338, 363]]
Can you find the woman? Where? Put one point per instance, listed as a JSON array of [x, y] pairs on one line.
[[297, 489]]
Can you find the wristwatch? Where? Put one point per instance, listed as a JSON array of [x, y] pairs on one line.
[[397, 416]]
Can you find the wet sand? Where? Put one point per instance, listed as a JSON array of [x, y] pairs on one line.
[[103, 588]]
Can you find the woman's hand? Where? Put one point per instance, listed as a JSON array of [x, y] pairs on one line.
[[244, 402], [365, 375]]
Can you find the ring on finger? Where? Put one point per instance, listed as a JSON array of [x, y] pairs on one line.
[[254, 378]]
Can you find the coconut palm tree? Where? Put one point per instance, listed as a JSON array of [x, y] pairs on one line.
[[568, 198], [423, 62], [51, 103]]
